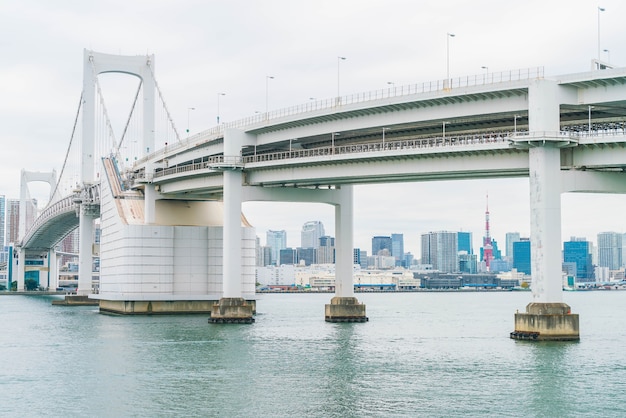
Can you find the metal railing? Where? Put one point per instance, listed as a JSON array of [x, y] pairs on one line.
[[337, 102]]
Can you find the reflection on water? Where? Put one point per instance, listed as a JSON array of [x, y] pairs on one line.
[[421, 354]]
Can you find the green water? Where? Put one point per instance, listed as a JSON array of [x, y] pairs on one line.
[[421, 354]]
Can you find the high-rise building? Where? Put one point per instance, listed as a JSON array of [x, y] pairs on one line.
[[381, 243], [521, 256], [326, 250], [578, 251], [12, 220], [356, 256], [610, 250], [288, 256], [276, 240], [311, 233], [3, 212], [397, 248], [464, 240], [440, 250], [307, 255], [511, 237]]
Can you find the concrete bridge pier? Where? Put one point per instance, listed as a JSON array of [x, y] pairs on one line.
[[85, 259], [344, 307], [547, 317], [232, 307], [21, 269]]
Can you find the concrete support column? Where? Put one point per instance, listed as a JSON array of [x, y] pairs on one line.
[[232, 234], [344, 237], [232, 308], [53, 269], [21, 269], [547, 317], [85, 259], [545, 224], [344, 307]]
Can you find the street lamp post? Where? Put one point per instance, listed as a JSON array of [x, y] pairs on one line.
[[218, 106], [392, 84], [189, 109], [448, 36], [384, 129], [486, 76], [515, 124], [608, 55], [267, 92], [600, 9], [339, 59], [589, 130]]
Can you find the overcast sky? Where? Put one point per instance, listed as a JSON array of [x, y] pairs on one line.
[[205, 47]]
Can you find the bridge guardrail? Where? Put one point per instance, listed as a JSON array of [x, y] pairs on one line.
[[336, 102]]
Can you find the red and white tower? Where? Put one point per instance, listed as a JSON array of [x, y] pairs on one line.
[[487, 247]]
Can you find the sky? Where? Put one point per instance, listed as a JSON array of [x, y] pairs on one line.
[[203, 48]]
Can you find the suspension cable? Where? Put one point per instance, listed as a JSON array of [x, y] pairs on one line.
[[169, 117], [132, 110], [67, 153], [104, 107]]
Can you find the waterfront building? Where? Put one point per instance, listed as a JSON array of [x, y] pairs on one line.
[[311, 233], [276, 240], [380, 243], [578, 251], [610, 250], [440, 250], [521, 256]]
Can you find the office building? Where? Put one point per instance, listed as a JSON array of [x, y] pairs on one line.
[[397, 248], [521, 256], [311, 233], [510, 238], [380, 243], [578, 251], [440, 250], [326, 250], [464, 240], [276, 240]]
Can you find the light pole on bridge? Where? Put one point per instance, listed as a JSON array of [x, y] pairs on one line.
[[218, 106], [339, 59], [600, 9], [267, 93], [189, 109], [608, 55], [515, 124], [448, 36], [589, 130]]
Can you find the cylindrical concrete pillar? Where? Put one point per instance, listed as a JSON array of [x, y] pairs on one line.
[[344, 224], [545, 224], [85, 258]]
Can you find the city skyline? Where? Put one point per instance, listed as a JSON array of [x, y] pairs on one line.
[[212, 53]]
